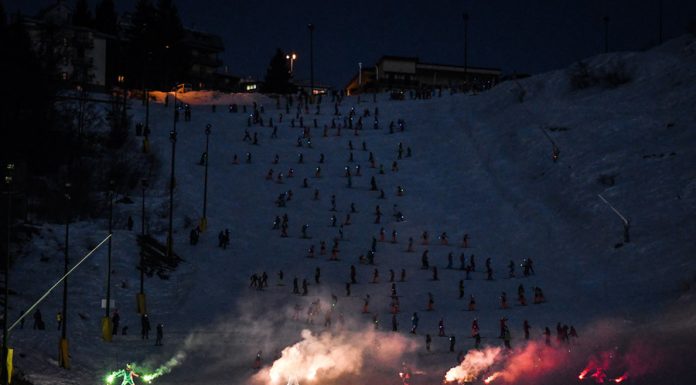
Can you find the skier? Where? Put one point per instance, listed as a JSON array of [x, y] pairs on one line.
[[144, 327], [452, 341], [547, 336], [506, 338], [395, 323], [128, 375], [414, 323], [257, 361], [435, 277], [428, 341], [526, 328], [503, 300], [503, 326], [465, 240], [424, 260], [375, 276], [366, 304], [431, 302], [472, 303], [441, 328], [475, 328], [160, 333], [115, 318], [352, 275], [461, 288]]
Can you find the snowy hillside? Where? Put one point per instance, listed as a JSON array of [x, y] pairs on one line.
[[480, 165]]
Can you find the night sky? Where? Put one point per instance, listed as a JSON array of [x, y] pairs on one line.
[[528, 36]]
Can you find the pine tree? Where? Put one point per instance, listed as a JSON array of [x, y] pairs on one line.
[[278, 75]]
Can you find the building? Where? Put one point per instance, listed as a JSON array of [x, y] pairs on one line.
[[78, 54], [402, 73], [202, 49]]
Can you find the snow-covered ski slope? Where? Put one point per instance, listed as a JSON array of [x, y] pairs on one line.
[[481, 164]]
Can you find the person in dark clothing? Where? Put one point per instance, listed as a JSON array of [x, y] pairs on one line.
[[160, 332], [115, 319], [144, 327], [38, 320]]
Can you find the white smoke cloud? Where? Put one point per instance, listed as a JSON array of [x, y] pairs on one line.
[[327, 356]]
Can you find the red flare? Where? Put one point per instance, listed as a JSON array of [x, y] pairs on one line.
[[599, 376], [622, 378], [583, 374]]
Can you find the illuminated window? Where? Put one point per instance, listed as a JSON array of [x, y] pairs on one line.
[[250, 87]]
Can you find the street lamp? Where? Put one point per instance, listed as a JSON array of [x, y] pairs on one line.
[[204, 220], [106, 322], [141, 296], [172, 138], [8, 182], [292, 58], [359, 73], [64, 357], [310, 26]]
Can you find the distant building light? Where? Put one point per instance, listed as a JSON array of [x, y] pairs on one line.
[[250, 87]]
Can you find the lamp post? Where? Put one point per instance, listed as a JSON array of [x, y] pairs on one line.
[[465, 16], [64, 357], [141, 296], [106, 331], [204, 220], [292, 58], [8, 182], [359, 73], [310, 26], [172, 138]]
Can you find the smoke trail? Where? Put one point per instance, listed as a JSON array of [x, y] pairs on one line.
[[327, 357], [475, 362]]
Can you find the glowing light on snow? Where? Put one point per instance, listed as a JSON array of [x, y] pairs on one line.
[[583, 374], [622, 378], [475, 362]]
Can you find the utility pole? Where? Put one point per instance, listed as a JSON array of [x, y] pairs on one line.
[[204, 220], [64, 357], [106, 323], [142, 308], [310, 26], [8, 182], [172, 138]]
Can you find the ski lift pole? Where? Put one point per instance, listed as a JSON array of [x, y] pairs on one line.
[[33, 306], [626, 222]]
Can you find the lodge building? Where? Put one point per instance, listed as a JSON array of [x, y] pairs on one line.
[[405, 73]]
